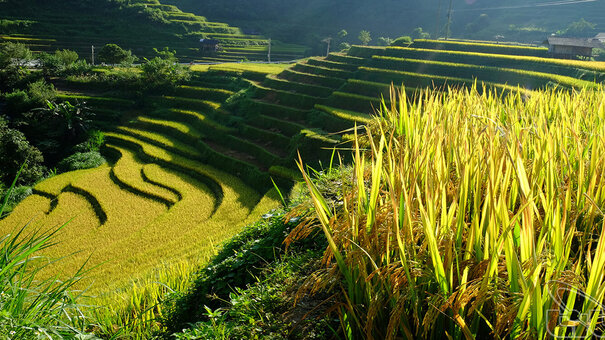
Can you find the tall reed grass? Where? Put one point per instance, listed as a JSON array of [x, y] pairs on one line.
[[31, 307], [469, 214]]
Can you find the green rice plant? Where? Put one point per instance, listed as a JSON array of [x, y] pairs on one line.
[[353, 102], [308, 89], [365, 51], [469, 214], [324, 71], [296, 100], [308, 78], [348, 115], [481, 47], [212, 94], [322, 62], [203, 122], [346, 59]]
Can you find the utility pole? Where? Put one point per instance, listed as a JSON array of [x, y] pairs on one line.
[[92, 59], [449, 21], [269, 52], [437, 26], [327, 40]]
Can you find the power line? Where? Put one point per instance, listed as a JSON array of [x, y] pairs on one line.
[[544, 4]]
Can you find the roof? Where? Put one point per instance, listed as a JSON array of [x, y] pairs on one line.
[[575, 42], [600, 36], [209, 41]]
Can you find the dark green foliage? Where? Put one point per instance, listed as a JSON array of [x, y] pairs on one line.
[[403, 41], [114, 54], [579, 28], [16, 102], [419, 33], [163, 72], [81, 160], [16, 151], [236, 265], [40, 92], [385, 41], [13, 59], [364, 37], [14, 54], [270, 298], [63, 62]]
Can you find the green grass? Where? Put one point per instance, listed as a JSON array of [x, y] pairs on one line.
[[309, 78], [349, 115], [323, 71]]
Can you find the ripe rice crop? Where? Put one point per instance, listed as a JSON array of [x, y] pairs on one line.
[[573, 68], [481, 47], [470, 214], [525, 78]]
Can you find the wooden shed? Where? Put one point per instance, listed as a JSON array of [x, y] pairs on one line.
[[572, 48]]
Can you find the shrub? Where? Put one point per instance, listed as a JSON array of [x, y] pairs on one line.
[[17, 101], [403, 41], [66, 57], [81, 160], [159, 72], [14, 54], [15, 152], [40, 92], [114, 54]]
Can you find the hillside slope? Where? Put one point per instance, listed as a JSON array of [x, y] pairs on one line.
[[140, 25], [311, 21]]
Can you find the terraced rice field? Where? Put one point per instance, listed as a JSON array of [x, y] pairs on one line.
[[199, 166], [46, 28]]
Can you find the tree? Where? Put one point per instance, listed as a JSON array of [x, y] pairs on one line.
[[114, 54], [579, 28], [342, 34], [16, 151], [364, 37], [68, 120], [382, 41], [163, 70], [419, 33], [14, 54]]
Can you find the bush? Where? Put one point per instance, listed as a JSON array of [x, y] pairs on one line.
[[95, 140], [40, 92], [66, 57], [159, 72], [17, 102], [114, 54], [403, 41], [81, 160], [15, 152]]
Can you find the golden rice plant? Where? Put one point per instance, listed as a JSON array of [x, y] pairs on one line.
[[469, 214]]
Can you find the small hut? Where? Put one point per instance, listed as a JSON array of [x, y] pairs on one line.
[[572, 48], [209, 45]]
